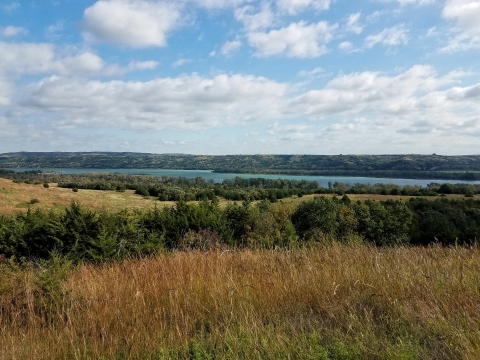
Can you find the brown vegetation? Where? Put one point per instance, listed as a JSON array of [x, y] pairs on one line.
[[340, 301]]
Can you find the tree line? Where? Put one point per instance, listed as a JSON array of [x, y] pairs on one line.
[[238, 189], [82, 234], [397, 166]]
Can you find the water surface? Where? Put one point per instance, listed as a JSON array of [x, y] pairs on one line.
[[219, 177]]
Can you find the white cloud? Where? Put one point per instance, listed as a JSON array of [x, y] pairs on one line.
[[432, 32], [252, 20], [230, 47], [5, 91], [195, 102], [133, 23], [11, 31], [410, 94], [219, 4], [399, 109], [298, 137], [9, 131], [353, 24], [289, 128], [415, 2], [466, 13], [295, 6], [373, 17], [312, 73], [30, 58], [186, 102], [345, 45], [297, 40], [394, 36]]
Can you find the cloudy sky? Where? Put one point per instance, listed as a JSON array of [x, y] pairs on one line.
[[240, 76]]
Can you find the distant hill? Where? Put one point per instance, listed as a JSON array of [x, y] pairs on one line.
[[411, 166]]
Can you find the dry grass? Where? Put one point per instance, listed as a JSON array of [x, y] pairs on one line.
[[344, 302], [16, 197]]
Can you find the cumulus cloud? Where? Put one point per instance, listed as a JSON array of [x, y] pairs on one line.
[[466, 13], [32, 58], [11, 31], [133, 23], [195, 102], [297, 40], [415, 102], [293, 7], [186, 102], [410, 94], [394, 36]]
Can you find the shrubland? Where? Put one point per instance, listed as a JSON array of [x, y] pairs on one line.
[[80, 233]]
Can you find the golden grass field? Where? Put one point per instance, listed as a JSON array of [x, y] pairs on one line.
[[16, 197], [336, 302]]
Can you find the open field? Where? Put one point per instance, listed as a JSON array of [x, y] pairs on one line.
[[17, 196], [338, 302]]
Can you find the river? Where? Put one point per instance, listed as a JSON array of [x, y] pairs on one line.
[[219, 177]]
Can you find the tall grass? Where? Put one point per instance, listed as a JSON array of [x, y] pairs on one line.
[[338, 302]]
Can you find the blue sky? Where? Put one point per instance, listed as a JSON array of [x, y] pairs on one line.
[[240, 76]]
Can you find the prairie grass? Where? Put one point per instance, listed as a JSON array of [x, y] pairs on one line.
[[336, 302]]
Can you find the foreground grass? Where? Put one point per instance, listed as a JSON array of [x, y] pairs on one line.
[[339, 302]]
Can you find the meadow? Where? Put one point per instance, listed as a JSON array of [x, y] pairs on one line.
[[334, 302]]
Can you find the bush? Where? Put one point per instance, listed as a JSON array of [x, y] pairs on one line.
[[75, 190], [384, 223], [319, 213], [143, 192], [45, 185], [34, 201]]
